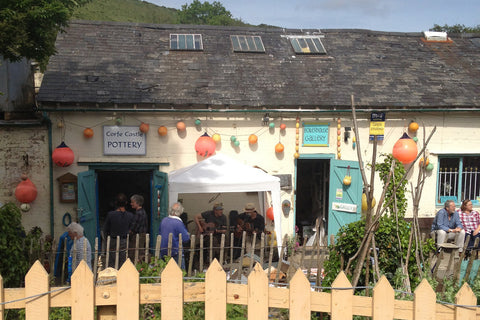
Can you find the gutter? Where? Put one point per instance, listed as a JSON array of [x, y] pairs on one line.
[[50, 170]]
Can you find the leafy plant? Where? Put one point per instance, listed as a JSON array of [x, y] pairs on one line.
[[14, 260]]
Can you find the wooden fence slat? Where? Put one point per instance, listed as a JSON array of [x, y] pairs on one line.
[[222, 248], [300, 303], [82, 293], [36, 282], [147, 248], [215, 292], [210, 257], [157, 247], [172, 292], [180, 250], [107, 256], [95, 260], [342, 299], [137, 245], [424, 301], [192, 254], [465, 296], [201, 253], [257, 289], [128, 292], [117, 253], [383, 300]]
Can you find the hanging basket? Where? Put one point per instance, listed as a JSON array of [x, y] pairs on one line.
[[348, 178]]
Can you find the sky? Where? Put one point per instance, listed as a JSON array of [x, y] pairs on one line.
[[378, 15]]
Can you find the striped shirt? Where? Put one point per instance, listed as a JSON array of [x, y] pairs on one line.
[[469, 221]]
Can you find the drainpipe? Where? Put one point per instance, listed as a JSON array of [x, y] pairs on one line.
[[48, 122]]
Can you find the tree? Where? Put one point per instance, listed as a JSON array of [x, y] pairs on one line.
[[207, 14], [28, 28], [457, 28]]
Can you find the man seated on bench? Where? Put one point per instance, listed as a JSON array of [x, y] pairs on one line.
[[447, 225]]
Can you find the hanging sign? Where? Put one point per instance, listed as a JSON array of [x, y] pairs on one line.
[[377, 125], [123, 140], [315, 134], [346, 207]]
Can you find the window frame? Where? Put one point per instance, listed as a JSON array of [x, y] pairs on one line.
[[310, 40], [187, 43], [458, 197], [246, 41]]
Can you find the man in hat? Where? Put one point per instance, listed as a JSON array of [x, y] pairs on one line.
[[214, 221], [249, 221]]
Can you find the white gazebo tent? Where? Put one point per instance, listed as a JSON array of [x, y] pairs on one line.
[[218, 174]]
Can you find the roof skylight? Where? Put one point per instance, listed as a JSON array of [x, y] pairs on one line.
[[186, 42], [247, 43]]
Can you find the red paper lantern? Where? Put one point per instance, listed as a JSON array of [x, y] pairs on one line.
[[26, 191], [144, 127], [163, 131], [63, 156], [205, 146], [283, 126], [181, 126], [270, 213], [405, 149], [88, 133]]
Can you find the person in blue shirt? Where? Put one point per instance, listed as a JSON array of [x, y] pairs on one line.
[[447, 225], [174, 225]]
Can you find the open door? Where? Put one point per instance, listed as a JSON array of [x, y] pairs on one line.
[[345, 202], [159, 201], [87, 212]]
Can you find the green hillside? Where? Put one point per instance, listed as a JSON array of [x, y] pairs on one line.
[[126, 11]]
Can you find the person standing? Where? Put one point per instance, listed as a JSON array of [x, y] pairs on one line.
[[77, 251], [139, 226], [470, 220], [173, 225], [118, 224], [447, 225]]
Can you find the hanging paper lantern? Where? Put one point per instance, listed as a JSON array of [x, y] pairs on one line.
[[181, 126], [233, 138], [296, 155], [279, 148], [252, 139], [271, 125], [413, 126], [205, 146], [144, 127], [162, 131], [216, 137], [198, 122], [405, 149], [88, 133], [63, 156], [429, 166], [26, 191], [420, 163], [283, 126], [270, 213], [236, 143]]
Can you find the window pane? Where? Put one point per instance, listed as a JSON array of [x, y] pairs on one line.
[[311, 46], [471, 179], [181, 42], [303, 45], [173, 42], [235, 43], [243, 43], [189, 40], [251, 44], [319, 45], [448, 179], [198, 42], [259, 44], [295, 45]]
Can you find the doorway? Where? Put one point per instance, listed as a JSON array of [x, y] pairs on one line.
[[312, 194], [111, 183]]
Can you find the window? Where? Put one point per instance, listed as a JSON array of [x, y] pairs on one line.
[[307, 45], [247, 44], [186, 42], [459, 179]]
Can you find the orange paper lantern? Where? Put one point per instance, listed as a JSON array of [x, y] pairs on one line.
[[88, 133], [26, 191], [279, 148], [63, 156], [144, 127], [405, 149], [413, 126], [205, 146], [252, 139], [181, 126], [162, 131], [270, 213]]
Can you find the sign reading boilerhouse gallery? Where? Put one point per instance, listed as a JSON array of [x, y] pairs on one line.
[[123, 140], [315, 134]]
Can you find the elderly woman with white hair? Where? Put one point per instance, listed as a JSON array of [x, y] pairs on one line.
[[174, 225], [75, 231]]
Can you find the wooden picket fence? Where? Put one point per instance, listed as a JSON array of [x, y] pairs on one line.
[[123, 297]]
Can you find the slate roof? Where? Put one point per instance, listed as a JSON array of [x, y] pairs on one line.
[[107, 63]]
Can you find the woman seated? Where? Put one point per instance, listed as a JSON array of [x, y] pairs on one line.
[[470, 220]]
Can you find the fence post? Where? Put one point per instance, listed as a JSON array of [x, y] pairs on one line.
[[215, 292], [147, 247], [157, 246], [342, 300], [82, 293], [383, 300], [257, 289], [172, 292], [465, 296], [2, 299], [128, 292], [192, 255], [222, 248], [107, 249], [300, 304], [36, 282], [424, 301]]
